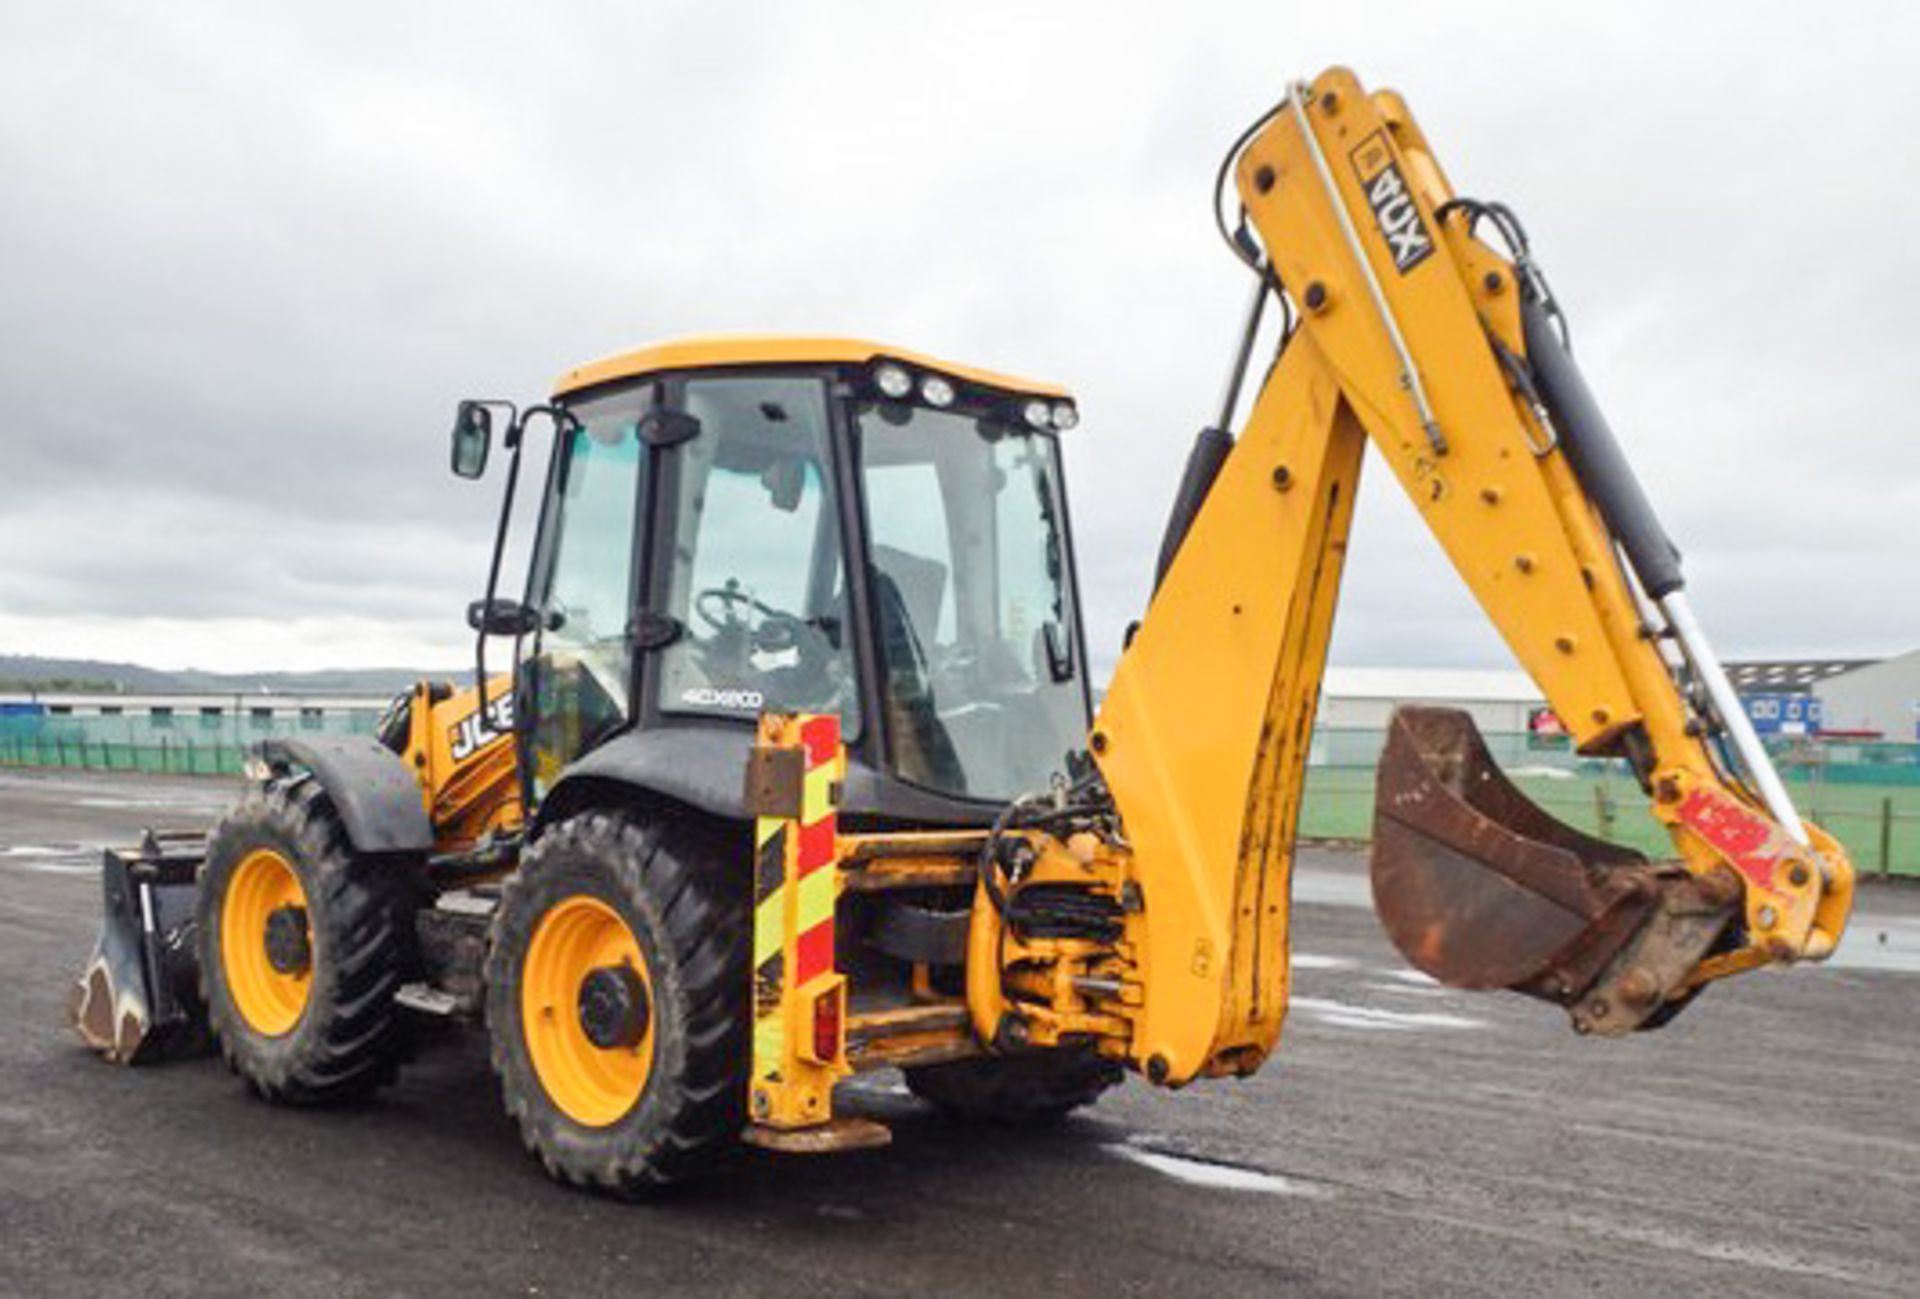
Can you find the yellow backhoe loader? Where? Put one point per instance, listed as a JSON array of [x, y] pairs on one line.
[[793, 771]]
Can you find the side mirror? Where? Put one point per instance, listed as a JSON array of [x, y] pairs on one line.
[[472, 436], [502, 617]]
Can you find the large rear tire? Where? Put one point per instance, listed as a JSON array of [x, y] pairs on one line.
[[617, 999], [302, 946], [1028, 1090]]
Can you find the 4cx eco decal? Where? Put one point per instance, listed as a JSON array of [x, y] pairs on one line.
[[1394, 210]]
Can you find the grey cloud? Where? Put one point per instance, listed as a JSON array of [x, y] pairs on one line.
[[250, 256]]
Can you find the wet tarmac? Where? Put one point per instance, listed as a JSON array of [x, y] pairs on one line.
[[1406, 1140]]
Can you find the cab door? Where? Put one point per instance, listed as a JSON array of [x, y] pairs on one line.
[[576, 680], [750, 571]]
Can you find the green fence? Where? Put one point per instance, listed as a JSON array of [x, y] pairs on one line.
[[198, 743], [1867, 795], [182, 756]]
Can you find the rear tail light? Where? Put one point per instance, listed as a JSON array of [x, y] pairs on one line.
[[827, 1024]]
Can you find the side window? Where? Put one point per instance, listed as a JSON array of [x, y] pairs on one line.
[[1030, 568], [913, 549], [580, 662], [755, 574], [972, 600]]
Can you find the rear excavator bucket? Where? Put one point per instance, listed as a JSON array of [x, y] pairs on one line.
[[138, 998], [1481, 889]]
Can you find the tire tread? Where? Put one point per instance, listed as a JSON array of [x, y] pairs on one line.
[[680, 868], [358, 910]]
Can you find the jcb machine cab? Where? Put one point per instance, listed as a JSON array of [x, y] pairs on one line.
[[792, 770], [794, 525]]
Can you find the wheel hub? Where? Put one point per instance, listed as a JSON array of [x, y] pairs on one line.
[[613, 1007], [289, 950]]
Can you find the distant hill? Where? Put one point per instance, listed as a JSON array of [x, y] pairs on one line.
[[25, 671]]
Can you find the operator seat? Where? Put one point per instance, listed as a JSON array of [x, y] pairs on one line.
[[923, 751]]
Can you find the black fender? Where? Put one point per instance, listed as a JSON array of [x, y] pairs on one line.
[[704, 767], [701, 767], [376, 794]]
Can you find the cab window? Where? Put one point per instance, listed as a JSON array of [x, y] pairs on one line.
[[578, 663], [755, 575], [972, 599]]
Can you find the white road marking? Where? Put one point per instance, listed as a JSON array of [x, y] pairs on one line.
[[54, 859], [1889, 943], [1419, 978], [1332, 888], [1309, 961], [1219, 1177], [1405, 990], [1772, 1257], [1345, 1015]]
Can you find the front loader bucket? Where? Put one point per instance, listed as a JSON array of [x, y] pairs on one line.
[[138, 998], [1480, 888]]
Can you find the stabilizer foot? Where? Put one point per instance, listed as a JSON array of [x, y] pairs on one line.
[[831, 1138]]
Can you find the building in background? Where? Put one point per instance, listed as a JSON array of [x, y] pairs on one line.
[[1877, 700], [142, 719], [1858, 698], [1779, 693], [1501, 702]]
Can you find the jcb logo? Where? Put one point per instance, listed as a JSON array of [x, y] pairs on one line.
[[1394, 209], [466, 737]]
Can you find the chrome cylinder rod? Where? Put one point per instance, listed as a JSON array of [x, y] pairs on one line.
[[1726, 702], [1243, 355], [1409, 370]]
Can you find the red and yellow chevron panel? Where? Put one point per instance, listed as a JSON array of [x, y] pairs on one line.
[[798, 997]]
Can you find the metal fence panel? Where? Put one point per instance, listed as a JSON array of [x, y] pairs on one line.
[[1866, 794]]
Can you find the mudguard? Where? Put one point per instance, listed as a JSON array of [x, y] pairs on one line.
[[705, 767], [376, 794]]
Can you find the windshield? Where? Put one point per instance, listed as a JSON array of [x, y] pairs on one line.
[[973, 602]]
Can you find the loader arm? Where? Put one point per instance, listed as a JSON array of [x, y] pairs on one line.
[[1439, 349]]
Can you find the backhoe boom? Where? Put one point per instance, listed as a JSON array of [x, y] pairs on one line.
[[1443, 352]]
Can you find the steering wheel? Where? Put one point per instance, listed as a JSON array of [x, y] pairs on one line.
[[716, 605], [720, 608]]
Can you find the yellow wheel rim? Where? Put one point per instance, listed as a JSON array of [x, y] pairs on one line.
[[270, 1000], [591, 1084]]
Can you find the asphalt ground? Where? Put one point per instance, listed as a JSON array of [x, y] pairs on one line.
[[1405, 1140]]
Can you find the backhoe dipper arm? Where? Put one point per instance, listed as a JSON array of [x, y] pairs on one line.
[[1443, 352]]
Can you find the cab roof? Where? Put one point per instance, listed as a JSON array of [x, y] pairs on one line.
[[708, 351]]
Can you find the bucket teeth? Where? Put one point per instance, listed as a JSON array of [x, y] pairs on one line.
[[1480, 888]]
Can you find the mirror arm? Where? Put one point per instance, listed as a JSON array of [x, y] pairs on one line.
[[512, 441], [563, 421]]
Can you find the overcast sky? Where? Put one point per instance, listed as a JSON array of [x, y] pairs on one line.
[[250, 259]]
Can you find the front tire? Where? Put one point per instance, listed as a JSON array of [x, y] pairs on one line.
[[302, 946], [617, 999]]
